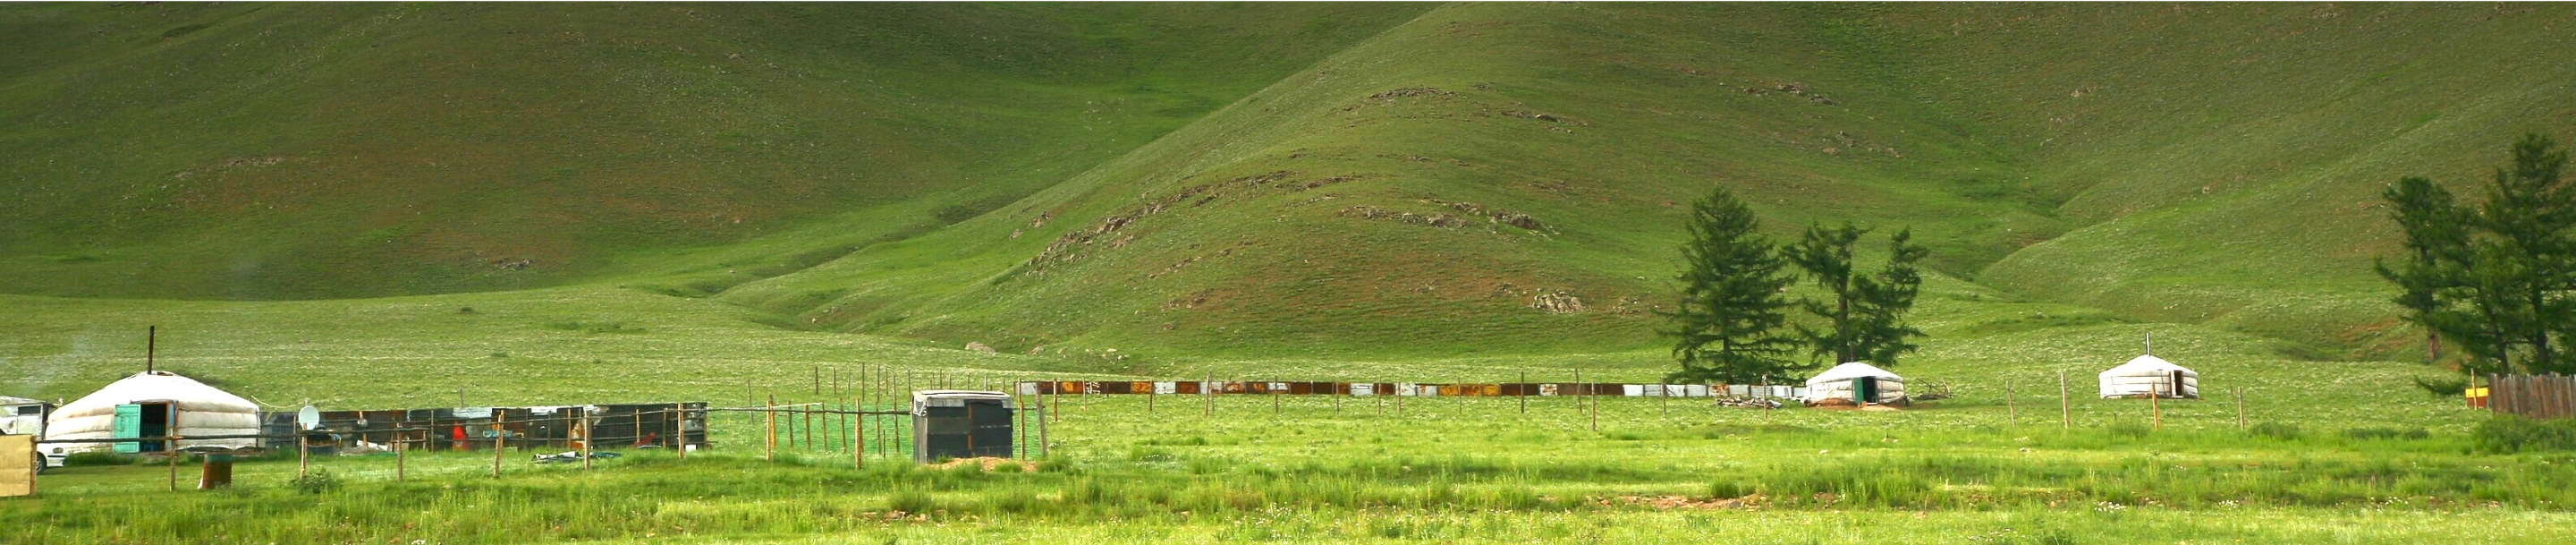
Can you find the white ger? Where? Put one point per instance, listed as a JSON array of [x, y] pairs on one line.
[[148, 406], [2150, 376], [1857, 382]]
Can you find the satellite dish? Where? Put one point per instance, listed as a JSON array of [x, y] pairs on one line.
[[308, 418]]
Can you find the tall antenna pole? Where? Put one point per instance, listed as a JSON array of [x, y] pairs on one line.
[[2151, 344], [151, 344]]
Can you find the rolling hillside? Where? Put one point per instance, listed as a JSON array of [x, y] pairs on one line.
[[1268, 182], [266, 151], [2212, 164]]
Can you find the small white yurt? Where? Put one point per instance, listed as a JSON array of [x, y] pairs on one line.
[[153, 404], [2148, 376], [1855, 382]]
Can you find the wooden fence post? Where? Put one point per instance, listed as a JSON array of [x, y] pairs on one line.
[[590, 441], [170, 444], [400, 469], [2009, 409], [2155, 406], [772, 411], [500, 438], [2240, 408], [2065, 408], [1524, 393]]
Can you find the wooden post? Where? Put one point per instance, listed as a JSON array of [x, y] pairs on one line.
[[679, 416], [1524, 395], [2009, 409], [1149, 398], [1664, 398], [303, 456], [401, 469], [859, 450], [170, 444], [590, 441], [1043, 410], [500, 435], [2240, 408], [1274, 401], [1207, 392], [2065, 409], [1583, 403], [2156, 406], [772, 410]]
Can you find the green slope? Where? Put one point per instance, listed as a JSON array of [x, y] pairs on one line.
[[2208, 164], [302, 151], [1254, 183]]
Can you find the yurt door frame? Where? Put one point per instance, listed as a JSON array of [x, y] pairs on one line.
[[1864, 390], [143, 419], [2177, 385]]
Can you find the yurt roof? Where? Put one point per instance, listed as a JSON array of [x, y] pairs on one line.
[[1852, 370], [189, 394], [2145, 365]]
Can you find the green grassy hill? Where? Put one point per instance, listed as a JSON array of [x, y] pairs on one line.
[[267, 151], [1206, 185], [2212, 165]]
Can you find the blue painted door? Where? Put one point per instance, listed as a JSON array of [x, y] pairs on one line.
[[129, 423]]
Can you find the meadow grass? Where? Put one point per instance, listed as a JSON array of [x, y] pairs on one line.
[[1447, 469]]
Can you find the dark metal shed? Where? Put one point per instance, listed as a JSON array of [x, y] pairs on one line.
[[949, 424]]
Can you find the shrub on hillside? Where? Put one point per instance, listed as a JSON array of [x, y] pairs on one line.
[[2387, 433], [2444, 387], [2511, 434], [319, 481], [2276, 430], [97, 458]]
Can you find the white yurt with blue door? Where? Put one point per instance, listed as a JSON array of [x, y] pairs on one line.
[[149, 405], [1857, 383]]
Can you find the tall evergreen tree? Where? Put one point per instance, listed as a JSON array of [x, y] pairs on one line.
[[2436, 238], [1880, 333], [2532, 218], [1826, 256], [1732, 305], [2497, 279]]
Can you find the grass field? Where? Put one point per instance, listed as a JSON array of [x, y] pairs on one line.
[[1474, 470], [377, 206]]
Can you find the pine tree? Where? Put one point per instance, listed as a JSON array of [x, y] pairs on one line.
[[2436, 239], [1826, 256], [2532, 220], [1880, 333], [1732, 305], [2498, 279]]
